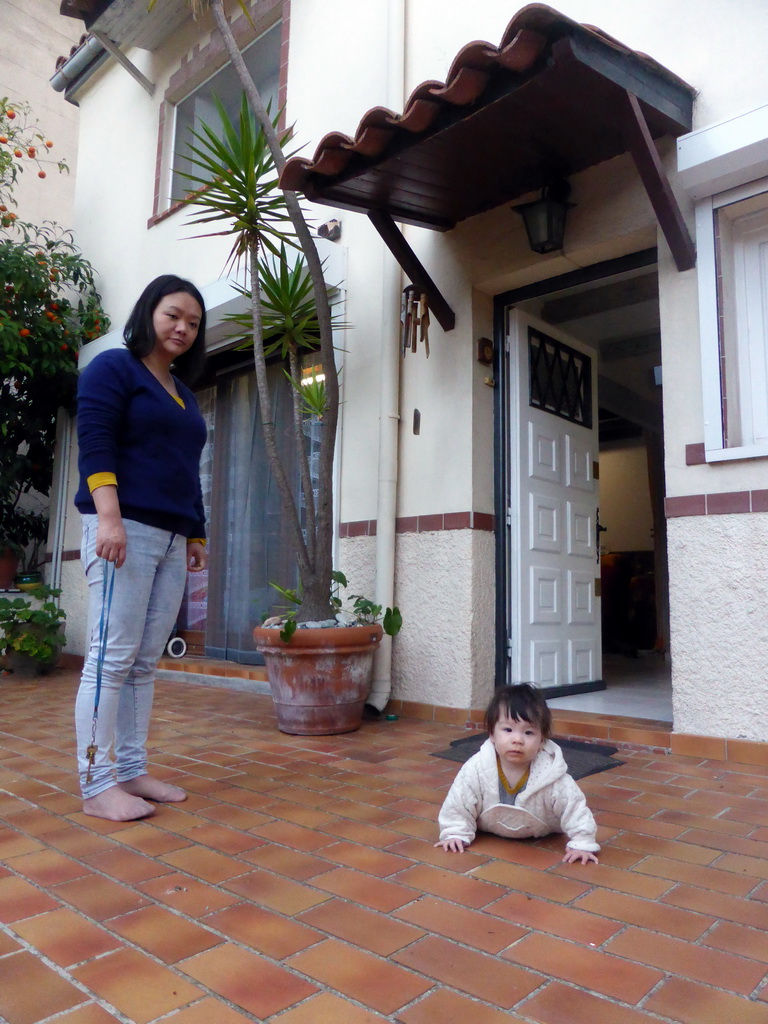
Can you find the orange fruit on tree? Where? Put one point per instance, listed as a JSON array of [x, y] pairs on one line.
[[41, 174], [31, 150], [17, 152], [25, 332], [3, 138], [10, 114]]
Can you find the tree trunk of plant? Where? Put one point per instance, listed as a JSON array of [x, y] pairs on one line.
[[315, 557], [265, 405]]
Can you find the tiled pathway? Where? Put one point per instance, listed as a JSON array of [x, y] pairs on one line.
[[299, 884]]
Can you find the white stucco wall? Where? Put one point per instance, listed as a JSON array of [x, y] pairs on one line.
[[75, 604], [444, 581], [719, 624]]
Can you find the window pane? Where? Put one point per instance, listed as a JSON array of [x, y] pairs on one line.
[[742, 250], [262, 58]]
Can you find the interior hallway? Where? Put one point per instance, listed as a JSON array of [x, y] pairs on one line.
[[299, 883], [638, 687]]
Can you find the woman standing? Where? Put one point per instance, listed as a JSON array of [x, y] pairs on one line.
[[140, 435]]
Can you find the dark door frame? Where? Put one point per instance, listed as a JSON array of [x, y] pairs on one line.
[[501, 303]]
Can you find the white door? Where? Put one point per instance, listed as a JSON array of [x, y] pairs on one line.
[[554, 572]]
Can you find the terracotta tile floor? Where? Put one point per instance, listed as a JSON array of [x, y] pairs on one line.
[[299, 885]]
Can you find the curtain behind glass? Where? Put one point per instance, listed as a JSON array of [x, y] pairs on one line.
[[194, 605], [250, 544]]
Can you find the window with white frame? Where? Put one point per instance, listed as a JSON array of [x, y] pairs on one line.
[[262, 58], [732, 236], [742, 247]]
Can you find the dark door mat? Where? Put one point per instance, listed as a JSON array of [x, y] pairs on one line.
[[582, 758]]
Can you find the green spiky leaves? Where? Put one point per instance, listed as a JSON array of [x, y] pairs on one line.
[[236, 184]]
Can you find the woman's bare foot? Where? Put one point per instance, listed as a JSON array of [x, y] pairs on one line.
[[153, 789], [115, 804]]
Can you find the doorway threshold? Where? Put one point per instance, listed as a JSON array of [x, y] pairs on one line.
[[619, 729]]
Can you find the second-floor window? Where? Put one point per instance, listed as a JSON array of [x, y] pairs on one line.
[[262, 59]]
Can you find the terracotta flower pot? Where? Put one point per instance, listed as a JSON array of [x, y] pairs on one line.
[[24, 665], [320, 678], [9, 564]]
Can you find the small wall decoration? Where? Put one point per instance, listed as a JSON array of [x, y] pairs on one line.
[[485, 351]]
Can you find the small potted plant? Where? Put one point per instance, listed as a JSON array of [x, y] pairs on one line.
[[22, 534], [32, 631], [29, 576]]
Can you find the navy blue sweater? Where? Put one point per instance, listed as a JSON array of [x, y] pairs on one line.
[[129, 425]]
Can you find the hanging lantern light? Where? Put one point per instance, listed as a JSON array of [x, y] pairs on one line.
[[544, 218]]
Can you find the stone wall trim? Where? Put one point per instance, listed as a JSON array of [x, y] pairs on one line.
[[718, 504], [432, 523]]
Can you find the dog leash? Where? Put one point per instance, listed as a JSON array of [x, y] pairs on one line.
[[106, 603]]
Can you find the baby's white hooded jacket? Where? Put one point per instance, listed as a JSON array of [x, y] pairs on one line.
[[550, 802]]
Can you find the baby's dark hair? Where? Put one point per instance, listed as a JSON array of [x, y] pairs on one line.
[[521, 701]]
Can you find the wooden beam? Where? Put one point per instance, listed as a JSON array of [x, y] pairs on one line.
[[412, 267], [123, 61], [629, 348], [671, 99], [654, 178], [617, 295]]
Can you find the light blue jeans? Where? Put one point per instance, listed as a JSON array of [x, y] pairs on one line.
[[147, 594]]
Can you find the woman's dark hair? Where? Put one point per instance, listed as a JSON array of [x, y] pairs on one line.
[[139, 332], [523, 702]]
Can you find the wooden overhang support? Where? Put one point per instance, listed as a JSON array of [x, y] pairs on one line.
[[123, 61], [412, 267], [651, 170]]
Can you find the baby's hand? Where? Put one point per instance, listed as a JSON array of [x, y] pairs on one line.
[[571, 856], [452, 845]]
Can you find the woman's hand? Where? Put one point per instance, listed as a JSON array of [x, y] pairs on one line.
[[197, 556], [452, 845], [110, 540], [110, 533], [571, 856]]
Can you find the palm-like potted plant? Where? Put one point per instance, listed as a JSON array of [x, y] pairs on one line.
[[319, 675]]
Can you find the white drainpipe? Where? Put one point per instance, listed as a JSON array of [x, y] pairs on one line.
[[389, 410], [58, 515]]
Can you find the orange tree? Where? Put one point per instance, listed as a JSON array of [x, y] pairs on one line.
[[48, 307]]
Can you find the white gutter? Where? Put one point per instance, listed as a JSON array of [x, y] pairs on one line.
[[389, 409], [80, 60]]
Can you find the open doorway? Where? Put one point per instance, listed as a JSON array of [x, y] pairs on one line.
[[618, 316]]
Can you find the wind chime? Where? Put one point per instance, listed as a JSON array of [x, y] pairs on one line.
[[414, 320]]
